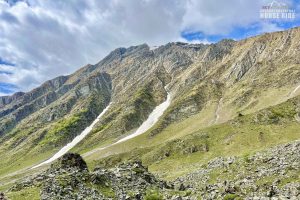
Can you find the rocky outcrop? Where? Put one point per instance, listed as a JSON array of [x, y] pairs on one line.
[[70, 161], [59, 100], [2, 196], [240, 68], [4, 100], [21, 98], [69, 178], [269, 174]]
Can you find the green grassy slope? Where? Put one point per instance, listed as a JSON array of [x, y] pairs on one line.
[[183, 147]]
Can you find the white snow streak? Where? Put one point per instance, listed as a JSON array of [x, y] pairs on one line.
[[146, 125], [75, 141], [294, 91]]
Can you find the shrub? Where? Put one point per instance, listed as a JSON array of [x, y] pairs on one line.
[[232, 197], [153, 195]]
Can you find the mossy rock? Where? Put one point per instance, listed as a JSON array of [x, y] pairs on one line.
[[70, 160]]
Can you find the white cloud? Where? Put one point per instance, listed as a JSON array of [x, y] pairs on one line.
[[46, 38], [220, 17], [3, 94], [194, 41], [50, 38], [269, 27]]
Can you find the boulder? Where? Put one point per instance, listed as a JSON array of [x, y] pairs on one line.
[[2, 196], [70, 161]]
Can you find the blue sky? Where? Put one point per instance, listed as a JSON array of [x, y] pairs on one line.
[[7, 88], [42, 39], [253, 28], [238, 33]]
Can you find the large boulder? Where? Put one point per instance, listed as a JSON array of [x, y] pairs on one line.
[[70, 161], [2, 196]]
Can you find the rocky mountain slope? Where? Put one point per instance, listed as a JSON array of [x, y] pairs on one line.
[[227, 99]]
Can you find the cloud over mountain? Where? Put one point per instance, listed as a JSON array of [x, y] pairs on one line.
[[44, 38]]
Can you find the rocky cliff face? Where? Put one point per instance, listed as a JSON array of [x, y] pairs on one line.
[[19, 106]]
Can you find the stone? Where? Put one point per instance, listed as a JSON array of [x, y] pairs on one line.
[[2, 196], [71, 160]]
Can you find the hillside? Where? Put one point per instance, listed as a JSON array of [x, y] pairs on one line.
[[229, 99]]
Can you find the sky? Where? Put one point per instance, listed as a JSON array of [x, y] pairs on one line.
[[42, 39]]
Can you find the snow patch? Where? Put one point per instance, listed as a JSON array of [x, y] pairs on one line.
[[153, 47], [294, 91], [75, 141], [146, 125]]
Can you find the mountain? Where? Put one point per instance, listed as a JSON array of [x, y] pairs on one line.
[[232, 98]]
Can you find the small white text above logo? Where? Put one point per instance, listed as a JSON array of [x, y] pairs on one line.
[[277, 10]]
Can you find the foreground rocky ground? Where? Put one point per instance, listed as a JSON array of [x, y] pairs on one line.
[[271, 174], [69, 178]]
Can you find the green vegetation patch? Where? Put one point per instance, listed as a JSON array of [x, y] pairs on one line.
[[31, 193], [153, 195]]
